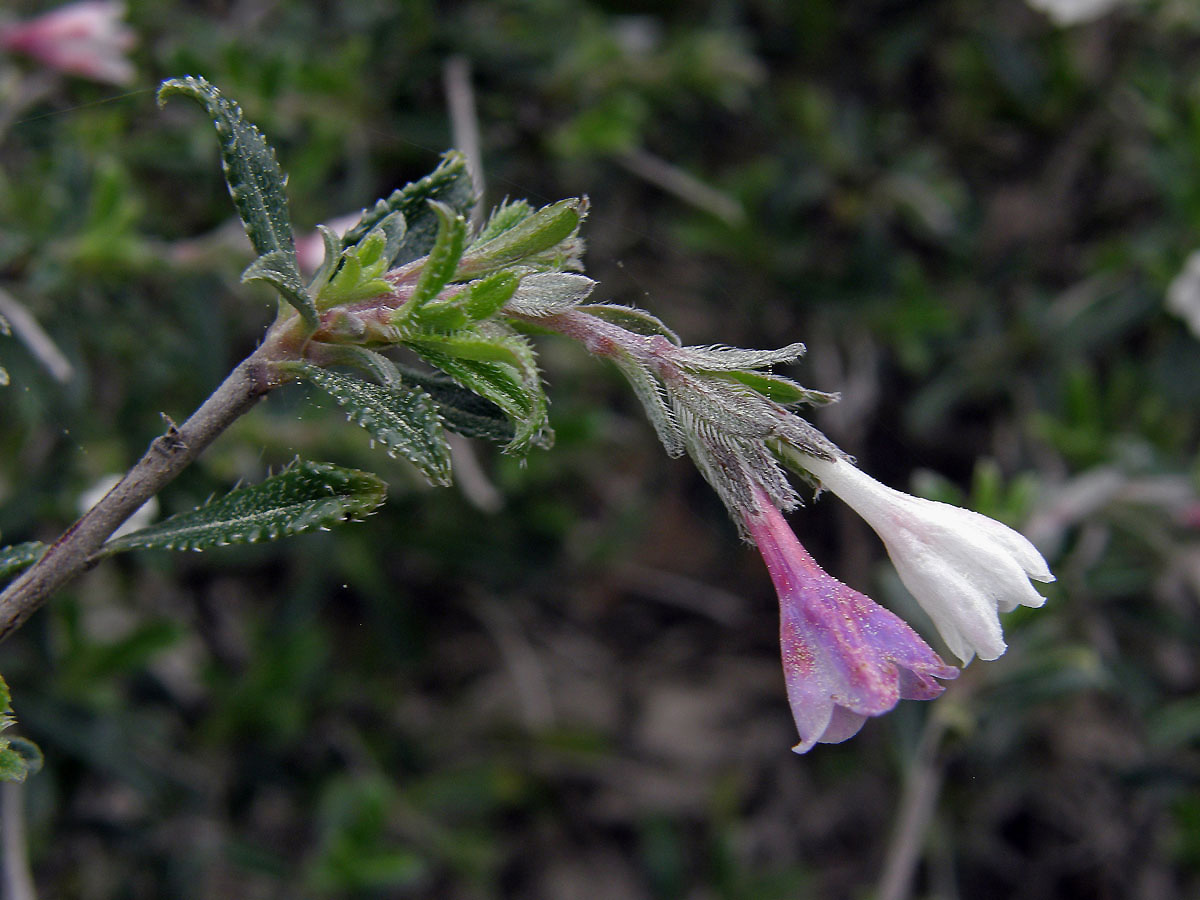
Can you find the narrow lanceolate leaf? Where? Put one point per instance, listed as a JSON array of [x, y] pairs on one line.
[[504, 217], [401, 417], [17, 557], [278, 269], [631, 319], [304, 496], [781, 390], [515, 389], [256, 184], [725, 359], [463, 412], [650, 392], [479, 300], [19, 758], [550, 293], [534, 236], [450, 183], [443, 258], [362, 266]]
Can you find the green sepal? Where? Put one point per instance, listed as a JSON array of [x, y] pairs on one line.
[[450, 183], [19, 758], [402, 417], [479, 300], [278, 269], [527, 240], [304, 496], [256, 184], [775, 387], [650, 392], [442, 261], [631, 319], [18, 557]]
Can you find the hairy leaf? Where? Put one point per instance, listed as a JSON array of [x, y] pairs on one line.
[[504, 217], [541, 233], [631, 319], [515, 391], [442, 261], [401, 417], [725, 359], [781, 390], [278, 269], [304, 496], [256, 184], [654, 400], [450, 183], [19, 758], [479, 300], [17, 557], [549, 293], [358, 277], [463, 411]]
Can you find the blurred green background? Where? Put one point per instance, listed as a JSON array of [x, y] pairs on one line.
[[569, 687]]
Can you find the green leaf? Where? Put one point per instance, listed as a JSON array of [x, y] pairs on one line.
[[17, 557], [278, 269], [550, 293], [479, 300], [442, 261], [256, 184], [402, 418], [547, 230], [463, 411], [358, 278], [449, 183], [469, 345], [513, 384], [19, 758], [781, 390], [504, 217], [304, 496]]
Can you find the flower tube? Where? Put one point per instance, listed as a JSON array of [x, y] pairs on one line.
[[844, 657], [962, 567]]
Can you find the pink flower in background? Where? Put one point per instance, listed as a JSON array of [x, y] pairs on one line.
[[845, 657], [86, 39]]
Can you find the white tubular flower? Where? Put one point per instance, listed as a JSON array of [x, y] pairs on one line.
[[962, 567]]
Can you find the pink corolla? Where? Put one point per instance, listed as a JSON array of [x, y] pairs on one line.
[[845, 657], [86, 39]]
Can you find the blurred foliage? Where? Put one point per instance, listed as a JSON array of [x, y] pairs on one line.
[[970, 215]]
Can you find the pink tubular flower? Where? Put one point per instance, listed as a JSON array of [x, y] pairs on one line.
[[845, 657], [86, 39]]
